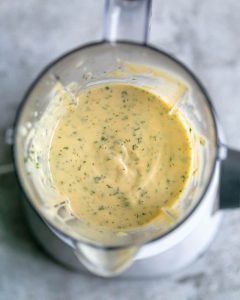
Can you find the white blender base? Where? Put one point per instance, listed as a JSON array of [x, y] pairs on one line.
[[179, 256], [169, 261]]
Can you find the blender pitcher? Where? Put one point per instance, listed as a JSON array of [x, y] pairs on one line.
[[150, 251]]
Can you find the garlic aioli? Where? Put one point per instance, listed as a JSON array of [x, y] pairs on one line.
[[119, 156]]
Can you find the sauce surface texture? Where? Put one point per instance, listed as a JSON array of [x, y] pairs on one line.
[[119, 156]]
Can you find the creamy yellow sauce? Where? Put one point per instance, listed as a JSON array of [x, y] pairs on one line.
[[119, 156]]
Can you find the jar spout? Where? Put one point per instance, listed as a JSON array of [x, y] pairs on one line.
[[105, 262]]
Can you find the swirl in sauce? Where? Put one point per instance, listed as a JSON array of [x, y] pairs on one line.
[[119, 156]]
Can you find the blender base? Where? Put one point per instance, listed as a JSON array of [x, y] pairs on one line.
[[167, 262]]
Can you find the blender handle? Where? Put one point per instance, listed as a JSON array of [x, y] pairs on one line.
[[230, 180], [7, 167], [127, 20]]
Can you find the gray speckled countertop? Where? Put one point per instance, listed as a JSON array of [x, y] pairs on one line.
[[205, 35]]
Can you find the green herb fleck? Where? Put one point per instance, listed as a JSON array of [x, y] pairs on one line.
[[97, 179], [101, 207], [183, 177], [103, 138], [134, 147], [202, 141], [124, 93], [116, 192], [125, 117]]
